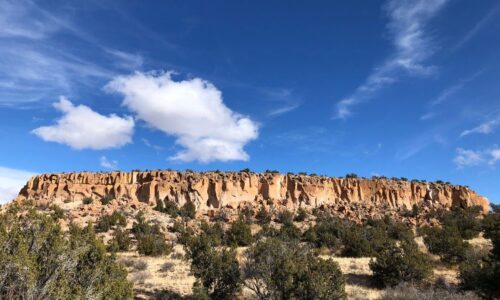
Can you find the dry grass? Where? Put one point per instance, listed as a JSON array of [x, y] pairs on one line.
[[406, 291], [154, 278], [358, 277]]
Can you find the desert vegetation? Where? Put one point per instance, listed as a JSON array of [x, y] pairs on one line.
[[39, 261], [258, 254]]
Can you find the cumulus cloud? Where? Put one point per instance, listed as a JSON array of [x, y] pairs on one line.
[[11, 182], [192, 110], [82, 128], [412, 47], [467, 158], [108, 164]]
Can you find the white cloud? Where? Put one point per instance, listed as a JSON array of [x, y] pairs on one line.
[[35, 65], [486, 127], [19, 19], [11, 182], [283, 110], [477, 27], [191, 110], [80, 127], [466, 158], [412, 47], [131, 61], [108, 164], [495, 156]]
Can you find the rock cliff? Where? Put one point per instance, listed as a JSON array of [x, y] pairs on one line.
[[214, 190]]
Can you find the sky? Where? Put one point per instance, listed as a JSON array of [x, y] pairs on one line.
[[394, 88]]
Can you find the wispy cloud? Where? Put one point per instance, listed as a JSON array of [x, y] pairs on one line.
[[285, 99], [130, 61], [418, 144], [152, 146], [413, 46], [309, 139], [33, 25], [486, 127], [468, 158], [283, 110], [446, 94], [35, 66], [108, 164], [477, 27]]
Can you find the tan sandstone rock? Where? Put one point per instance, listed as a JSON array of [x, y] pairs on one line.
[[214, 190]]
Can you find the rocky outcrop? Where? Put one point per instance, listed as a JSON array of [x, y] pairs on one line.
[[214, 190]]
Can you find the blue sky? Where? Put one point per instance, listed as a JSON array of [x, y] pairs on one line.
[[394, 88]]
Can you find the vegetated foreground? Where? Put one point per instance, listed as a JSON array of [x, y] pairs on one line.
[[96, 237]]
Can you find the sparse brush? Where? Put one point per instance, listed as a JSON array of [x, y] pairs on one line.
[[408, 291], [127, 262], [140, 265], [167, 267], [141, 277]]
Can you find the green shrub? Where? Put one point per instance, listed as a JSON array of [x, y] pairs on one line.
[[447, 243], [403, 263], [185, 233], [325, 233], [214, 231], [239, 234], [106, 199], [289, 231], [153, 245], [267, 231], [140, 226], [105, 222], [216, 269], [150, 240], [356, 243], [87, 200], [39, 261], [120, 241], [285, 217], [58, 212], [482, 274], [247, 215], [262, 216], [172, 209], [188, 210], [466, 220], [300, 215], [274, 269], [118, 219], [159, 206]]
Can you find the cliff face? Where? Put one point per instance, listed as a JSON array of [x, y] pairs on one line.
[[213, 190]]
